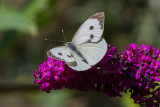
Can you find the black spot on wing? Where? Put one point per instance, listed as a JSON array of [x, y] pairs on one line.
[[49, 54], [91, 27], [91, 36], [60, 54], [69, 56]]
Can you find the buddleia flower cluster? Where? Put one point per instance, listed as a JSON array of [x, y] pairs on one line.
[[143, 69], [136, 70]]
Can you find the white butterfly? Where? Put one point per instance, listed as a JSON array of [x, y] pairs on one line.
[[87, 47]]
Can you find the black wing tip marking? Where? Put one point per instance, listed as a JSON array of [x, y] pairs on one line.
[[100, 17], [49, 54]]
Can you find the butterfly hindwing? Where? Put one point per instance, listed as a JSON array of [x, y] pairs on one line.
[[93, 52], [61, 53], [91, 30], [79, 64]]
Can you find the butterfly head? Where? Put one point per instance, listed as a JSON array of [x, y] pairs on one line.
[[68, 43]]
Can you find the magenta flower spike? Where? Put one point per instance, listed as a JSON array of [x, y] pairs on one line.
[[137, 70]]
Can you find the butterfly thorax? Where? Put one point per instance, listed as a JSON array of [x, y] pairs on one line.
[[73, 47]]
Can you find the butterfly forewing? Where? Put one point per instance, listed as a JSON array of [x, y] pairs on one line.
[[91, 30]]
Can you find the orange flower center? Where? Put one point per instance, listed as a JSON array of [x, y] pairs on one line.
[[45, 72], [54, 74], [154, 75], [155, 65], [121, 55], [127, 57], [59, 66]]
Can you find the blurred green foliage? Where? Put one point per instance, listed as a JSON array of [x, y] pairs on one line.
[[14, 20], [24, 24], [21, 20]]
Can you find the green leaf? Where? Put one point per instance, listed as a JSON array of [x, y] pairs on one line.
[[34, 7], [14, 20], [127, 101]]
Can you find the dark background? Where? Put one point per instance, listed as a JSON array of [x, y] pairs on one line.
[[24, 24]]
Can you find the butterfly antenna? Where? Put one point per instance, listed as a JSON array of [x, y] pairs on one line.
[[63, 36], [54, 40]]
